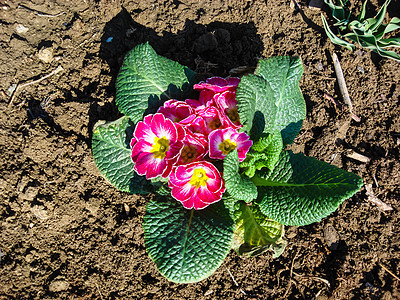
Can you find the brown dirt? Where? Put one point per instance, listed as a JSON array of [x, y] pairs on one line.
[[66, 233]]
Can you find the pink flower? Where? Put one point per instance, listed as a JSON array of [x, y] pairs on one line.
[[196, 185], [195, 147], [223, 141], [176, 110], [218, 84], [227, 103], [156, 145]]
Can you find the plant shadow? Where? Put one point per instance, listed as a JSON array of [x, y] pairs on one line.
[[210, 50]]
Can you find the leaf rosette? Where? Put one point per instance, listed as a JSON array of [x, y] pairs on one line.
[[213, 151]]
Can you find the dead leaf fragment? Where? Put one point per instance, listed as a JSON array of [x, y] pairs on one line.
[[357, 156], [372, 198]]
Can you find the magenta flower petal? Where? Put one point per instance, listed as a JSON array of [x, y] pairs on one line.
[[196, 185], [206, 195], [147, 165], [222, 141], [218, 84], [143, 132], [176, 110], [206, 99], [163, 127], [227, 103], [213, 119], [184, 192]]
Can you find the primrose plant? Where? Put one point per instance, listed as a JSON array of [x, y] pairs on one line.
[[368, 33], [214, 153]]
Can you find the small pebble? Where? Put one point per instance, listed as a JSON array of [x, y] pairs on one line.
[[30, 193], [21, 28], [11, 89], [46, 55], [58, 285], [319, 66], [360, 69]]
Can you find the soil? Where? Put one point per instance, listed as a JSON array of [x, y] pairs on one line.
[[66, 233]]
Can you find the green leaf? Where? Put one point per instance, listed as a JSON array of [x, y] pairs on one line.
[[302, 190], [274, 97], [283, 73], [146, 79], [370, 42], [378, 19], [338, 11], [334, 39], [112, 153], [255, 234], [187, 245], [140, 185], [238, 186], [264, 153], [363, 11], [252, 91]]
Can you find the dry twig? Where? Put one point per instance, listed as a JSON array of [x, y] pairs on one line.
[[235, 282], [40, 14], [291, 274], [378, 202], [390, 272], [21, 86], [342, 86], [314, 278], [357, 156], [337, 105]]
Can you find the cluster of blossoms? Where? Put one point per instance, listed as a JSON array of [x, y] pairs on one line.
[[184, 138]]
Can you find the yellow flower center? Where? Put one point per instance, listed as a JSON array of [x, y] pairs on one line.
[[188, 154], [160, 147], [227, 146], [199, 178]]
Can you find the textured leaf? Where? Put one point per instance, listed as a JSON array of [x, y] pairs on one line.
[[238, 186], [187, 245], [254, 92], [302, 190], [111, 152], [273, 98], [264, 153], [255, 234], [283, 73], [145, 79]]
